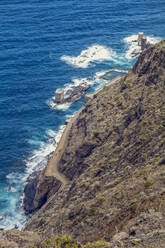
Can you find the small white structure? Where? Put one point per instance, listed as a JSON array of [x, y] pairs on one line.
[[140, 37], [59, 96], [142, 41]]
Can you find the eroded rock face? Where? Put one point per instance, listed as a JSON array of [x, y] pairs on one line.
[[38, 190], [29, 193]]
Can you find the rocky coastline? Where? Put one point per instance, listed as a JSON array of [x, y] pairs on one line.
[[113, 161], [41, 185]]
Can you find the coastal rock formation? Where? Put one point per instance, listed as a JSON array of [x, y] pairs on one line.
[[29, 193], [38, 190], [73, 93], [76, 92], [114, 159]]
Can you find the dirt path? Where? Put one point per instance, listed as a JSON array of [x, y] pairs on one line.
[[52, 167]]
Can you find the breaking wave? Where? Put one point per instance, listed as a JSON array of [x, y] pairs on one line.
[[39, 157], [93, 53], [14, 216]]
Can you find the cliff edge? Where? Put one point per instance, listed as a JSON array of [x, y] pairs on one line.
[[114, 163]]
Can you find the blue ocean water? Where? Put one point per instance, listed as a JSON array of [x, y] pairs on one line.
[[41, 48]]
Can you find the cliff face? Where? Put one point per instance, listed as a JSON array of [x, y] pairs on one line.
[[114, 158]]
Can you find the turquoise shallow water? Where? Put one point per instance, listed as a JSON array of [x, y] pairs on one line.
[[39, 47]]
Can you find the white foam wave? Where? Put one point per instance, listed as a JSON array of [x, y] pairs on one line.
[[130, 39], [119, 70], [80, 81], [153, 40], [14, 216], [64, 106], [14, 177], [51, 133], [39, 157], [91, 54], [51, 103], [11, 189], [133, 48], [100, 74]]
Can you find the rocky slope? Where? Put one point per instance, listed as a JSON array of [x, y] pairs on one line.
[[114, 160]]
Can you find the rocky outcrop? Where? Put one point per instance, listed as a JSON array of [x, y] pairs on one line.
[[76, 92], [29, 193], [73, 93], [38, 190]]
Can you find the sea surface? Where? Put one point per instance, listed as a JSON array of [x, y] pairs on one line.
[[45, 45]]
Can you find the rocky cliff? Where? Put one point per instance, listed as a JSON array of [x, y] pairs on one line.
[[114, 159]]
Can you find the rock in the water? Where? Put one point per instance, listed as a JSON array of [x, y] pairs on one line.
[[75, 92]]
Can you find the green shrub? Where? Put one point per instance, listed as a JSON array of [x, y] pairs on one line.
[[148, 184], [59, 242], [127, 81]]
